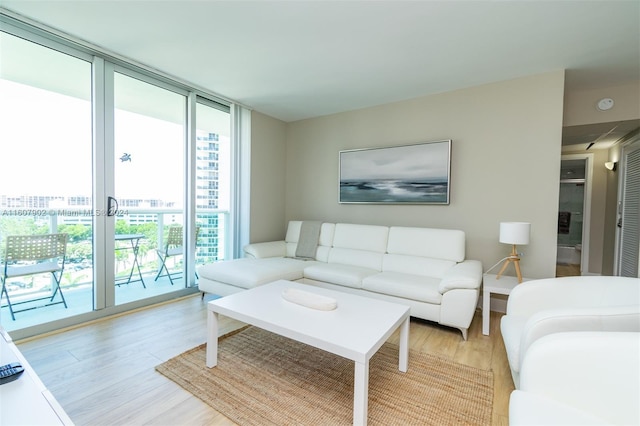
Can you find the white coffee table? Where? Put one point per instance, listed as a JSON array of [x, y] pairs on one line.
[[355, 330]]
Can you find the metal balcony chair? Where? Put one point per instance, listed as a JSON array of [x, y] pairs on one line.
[[172, 247], [32, 255]]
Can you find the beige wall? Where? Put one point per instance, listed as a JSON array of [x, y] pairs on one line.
[[513, 178], [268, 156], [580, 106], [505, 164]]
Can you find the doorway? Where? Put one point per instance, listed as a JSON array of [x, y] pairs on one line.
[[573, 215]]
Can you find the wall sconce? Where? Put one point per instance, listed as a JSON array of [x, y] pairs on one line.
[[611, 165]]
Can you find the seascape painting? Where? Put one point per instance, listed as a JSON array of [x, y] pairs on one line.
[[407, 174]]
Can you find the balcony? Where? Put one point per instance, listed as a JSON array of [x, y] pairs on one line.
[[80, 284]]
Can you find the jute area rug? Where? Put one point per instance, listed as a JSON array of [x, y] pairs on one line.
[[265, 379]]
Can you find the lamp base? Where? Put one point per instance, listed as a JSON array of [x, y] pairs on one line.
[[513, 257]]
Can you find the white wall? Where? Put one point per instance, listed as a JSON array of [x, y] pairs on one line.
[[505, 164]]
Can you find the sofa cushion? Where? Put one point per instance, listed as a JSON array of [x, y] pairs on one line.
[[357, 258], [405, 286], [291, 238], [344, 275], [361, 237], [266, 249], [415, 265], [324, 241], [358, 245], [446, 244], [248, 272]]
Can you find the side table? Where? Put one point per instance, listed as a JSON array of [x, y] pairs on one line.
[[490, 285]]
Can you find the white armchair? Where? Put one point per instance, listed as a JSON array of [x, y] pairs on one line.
[[579, 378], [542, 307]]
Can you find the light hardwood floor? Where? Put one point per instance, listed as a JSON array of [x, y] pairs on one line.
[[103, 373], [564, 270]]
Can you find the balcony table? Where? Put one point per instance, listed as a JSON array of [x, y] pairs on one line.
[[134, 241]]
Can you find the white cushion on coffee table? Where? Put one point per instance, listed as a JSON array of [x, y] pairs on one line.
[[309, 299]]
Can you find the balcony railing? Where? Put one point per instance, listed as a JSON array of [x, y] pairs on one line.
[[78, 223]]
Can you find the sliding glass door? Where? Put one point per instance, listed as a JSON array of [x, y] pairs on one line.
[[133, 167], [149, 187], [46, 172]]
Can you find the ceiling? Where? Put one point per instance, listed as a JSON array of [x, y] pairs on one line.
[[597, 136], [299, 59]]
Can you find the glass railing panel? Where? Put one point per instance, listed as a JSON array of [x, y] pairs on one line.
[[30, 293]]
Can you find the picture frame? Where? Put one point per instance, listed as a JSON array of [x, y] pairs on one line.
[[405, 174]]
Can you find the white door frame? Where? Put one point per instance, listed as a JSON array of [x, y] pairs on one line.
[[586, 208]]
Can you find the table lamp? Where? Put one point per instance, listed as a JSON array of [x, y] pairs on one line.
[[514, 233]]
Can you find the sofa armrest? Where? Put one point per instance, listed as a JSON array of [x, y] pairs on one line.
[[617, 318], [593, 372], [466, 274], [533, 296], [266, 249]]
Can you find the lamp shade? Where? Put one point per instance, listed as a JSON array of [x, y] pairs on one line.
[[515, 232]]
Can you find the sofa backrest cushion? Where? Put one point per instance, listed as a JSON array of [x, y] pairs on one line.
[[416, 265], [443, 244], [293, 231], [324, 242], [359, 245]]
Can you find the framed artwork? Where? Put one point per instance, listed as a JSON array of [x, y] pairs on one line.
[[406, 174]]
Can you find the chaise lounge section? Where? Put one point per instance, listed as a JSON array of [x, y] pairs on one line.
[[424, 268]]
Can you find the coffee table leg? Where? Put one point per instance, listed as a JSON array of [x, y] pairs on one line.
[[403, 356], [361, 393], [212, 338]]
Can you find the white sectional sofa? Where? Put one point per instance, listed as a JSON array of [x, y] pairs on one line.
[[423, 268]]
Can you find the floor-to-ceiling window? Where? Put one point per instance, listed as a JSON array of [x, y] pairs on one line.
[[46, 170], [213, 175], [99, 150]]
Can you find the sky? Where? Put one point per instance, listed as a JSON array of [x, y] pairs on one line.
[[419, 161], [45, 148]]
